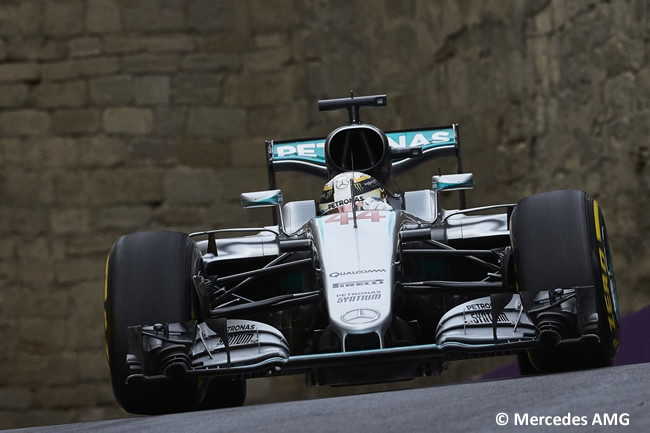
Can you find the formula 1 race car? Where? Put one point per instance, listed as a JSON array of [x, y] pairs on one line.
[[362, 286]]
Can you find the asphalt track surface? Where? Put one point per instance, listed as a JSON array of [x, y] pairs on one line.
[[468, 407]]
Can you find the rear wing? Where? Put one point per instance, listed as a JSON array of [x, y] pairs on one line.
[[308, 155]]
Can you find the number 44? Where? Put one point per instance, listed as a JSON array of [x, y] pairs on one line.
[[345, 217]]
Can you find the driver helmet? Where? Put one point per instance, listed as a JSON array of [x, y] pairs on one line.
[[337, 194]]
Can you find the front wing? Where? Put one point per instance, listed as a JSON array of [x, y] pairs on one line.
[[245, 348]]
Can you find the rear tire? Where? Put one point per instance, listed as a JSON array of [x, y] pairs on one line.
[[149, 280], [560, 241]]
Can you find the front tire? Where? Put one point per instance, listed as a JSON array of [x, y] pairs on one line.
[[560, 241], [149, 280]]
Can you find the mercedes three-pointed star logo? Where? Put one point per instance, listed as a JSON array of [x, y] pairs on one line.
[[360, 316], [342, 183]]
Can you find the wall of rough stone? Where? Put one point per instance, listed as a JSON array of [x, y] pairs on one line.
[[125, 115]]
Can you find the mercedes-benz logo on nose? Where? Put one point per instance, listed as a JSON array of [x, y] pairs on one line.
[[360, 316]]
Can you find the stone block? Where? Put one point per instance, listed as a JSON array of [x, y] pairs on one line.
[[246, 179], [20, 18], [204, 153], [185, 186], [98, 66], [24, 123], [623, 56], [11, 151], [197, 88], [170, 43], [59, 70], [265, 15], [104, 186], [8, 275], [105, 397], [65, 397], [15, 398], [219, 122], [225, 42], [101, 151], [80, 68], [211, 62], [53, 95], [7, 250], [267, 59], [169, 121], [120, 44], [92, 366], [150, 63], [70, 220], [90, 336], [248, 152], [76, 121], [616, 91], [281, 121], [210, 15], [272, 40], [126, 218], [12, 300], [13, 95], [35, 48], [147, 15], [128, 120], [97, 245], [152, 89], [103, 16], [35, 274], [84, 47], [175, 215], [41, 335], [50, 305], [265, 88], [24, 219], [66, 365], [112, 90], [19, 72], [229, 213], [50, 152], [151, 151], [80, 272], [36, 249], [63, 17]]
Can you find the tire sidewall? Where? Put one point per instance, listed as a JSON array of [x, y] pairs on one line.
[[175, 300]]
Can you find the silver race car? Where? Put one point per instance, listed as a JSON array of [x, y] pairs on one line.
[[363, 285]]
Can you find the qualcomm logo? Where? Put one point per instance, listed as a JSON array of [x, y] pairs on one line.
[[360, 316]]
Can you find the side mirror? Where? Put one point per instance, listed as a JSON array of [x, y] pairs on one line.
[[270, 198], [261, 199], [452, 182]]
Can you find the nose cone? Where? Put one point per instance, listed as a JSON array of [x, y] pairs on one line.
[[358, 273]]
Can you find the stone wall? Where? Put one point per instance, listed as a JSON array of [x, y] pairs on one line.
[[125, 115]]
